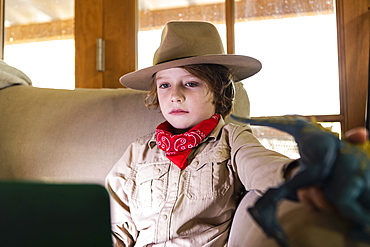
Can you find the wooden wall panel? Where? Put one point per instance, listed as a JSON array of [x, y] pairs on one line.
[[120, 35], [88, 28], [353, 50], [2, 29], [114, 21], [230, 23]]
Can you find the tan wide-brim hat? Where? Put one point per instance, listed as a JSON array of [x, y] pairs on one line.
[[191, 42]]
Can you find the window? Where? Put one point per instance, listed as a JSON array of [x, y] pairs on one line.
[[299, 64], [153, 15], [39, 40], [117, 24]]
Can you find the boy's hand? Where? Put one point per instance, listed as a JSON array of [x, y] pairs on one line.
[[357, 135], [313, 196]]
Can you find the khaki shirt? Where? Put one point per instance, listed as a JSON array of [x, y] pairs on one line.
[[154, 203]]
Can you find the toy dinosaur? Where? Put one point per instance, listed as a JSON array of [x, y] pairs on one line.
[[340, 168]]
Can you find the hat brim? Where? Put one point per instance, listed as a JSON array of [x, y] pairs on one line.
[[241, 66]]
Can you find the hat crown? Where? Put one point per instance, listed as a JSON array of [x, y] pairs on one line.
[[182, 39]]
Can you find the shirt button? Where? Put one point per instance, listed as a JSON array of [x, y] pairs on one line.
[[164, 217]]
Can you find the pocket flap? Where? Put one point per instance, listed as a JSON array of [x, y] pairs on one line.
[[149, 172], [218, 156]]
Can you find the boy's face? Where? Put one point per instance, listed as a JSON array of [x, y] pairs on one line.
[[184, 99]]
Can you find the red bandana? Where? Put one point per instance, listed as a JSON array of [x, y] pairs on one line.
[[178, 147]]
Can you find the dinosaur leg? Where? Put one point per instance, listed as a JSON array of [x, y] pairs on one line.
[[347, 199]]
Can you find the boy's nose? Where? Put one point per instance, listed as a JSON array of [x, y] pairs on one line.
[[176, 99], [177, 96]]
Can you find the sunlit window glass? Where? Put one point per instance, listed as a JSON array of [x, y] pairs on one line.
[[297, 44], [39, 41], [154, 14]]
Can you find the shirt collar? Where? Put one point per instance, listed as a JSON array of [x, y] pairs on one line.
[[215, 133]]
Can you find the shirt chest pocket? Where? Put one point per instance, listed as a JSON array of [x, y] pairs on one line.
[[211, 176], [151, 185]]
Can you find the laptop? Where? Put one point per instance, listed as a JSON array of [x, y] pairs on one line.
[[44, 214]]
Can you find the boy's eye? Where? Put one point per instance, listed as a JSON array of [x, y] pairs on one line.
[[191, 84], [164, 85]]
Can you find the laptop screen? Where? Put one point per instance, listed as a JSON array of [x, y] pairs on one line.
[[44, 214]]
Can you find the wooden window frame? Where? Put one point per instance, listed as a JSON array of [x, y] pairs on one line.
[[2, 36], [115, 22], [353, 53]]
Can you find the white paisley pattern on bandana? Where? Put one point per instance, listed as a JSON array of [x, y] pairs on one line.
[[175, 143]]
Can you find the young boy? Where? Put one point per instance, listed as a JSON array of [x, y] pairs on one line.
[[180, 186]]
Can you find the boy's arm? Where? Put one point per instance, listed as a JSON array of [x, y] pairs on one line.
[[258, 168], [123, 228]]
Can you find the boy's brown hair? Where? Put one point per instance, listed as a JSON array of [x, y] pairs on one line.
[[218, 79]]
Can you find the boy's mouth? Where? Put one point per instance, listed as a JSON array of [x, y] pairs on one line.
[[178, 111]]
